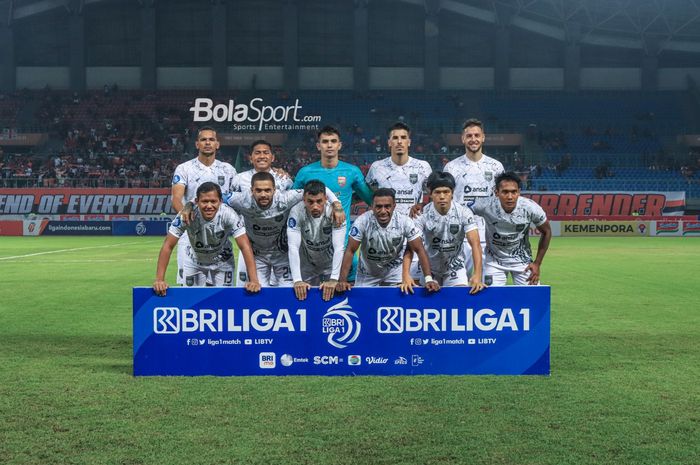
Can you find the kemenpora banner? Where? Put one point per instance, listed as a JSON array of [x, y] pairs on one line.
[[366, 331]]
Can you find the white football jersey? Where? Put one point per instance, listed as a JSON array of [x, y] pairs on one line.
[[316, 244], [381, 249], [473, 179], [193, 173], [408, 180], [209, 240], [443, 236], [267, 228], [243, 181], [507, 234]]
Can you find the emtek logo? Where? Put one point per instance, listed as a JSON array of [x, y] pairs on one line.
[[166, 320]]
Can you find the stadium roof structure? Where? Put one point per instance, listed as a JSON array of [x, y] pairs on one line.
[[649, 25]]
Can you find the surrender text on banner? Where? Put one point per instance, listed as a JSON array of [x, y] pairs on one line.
[[366, 331]]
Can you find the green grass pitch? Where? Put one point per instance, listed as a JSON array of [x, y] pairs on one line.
[[625, 384]]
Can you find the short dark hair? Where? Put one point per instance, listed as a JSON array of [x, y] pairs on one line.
[[260, 142], [441, 179], [208, 187], [399, 125], [205, 128], [262, 176], [314, 187], [473, 122], [327, 130], [508, 176], [385, 192]]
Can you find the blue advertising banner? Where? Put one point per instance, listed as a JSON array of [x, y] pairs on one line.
[[366, 331], [140, 228]]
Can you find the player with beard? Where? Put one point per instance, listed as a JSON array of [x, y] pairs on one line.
[[475, 174], [265, 211], [316, 245]]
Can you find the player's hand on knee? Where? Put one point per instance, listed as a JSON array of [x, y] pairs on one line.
[[301, 289], [252, 286], [328, 289], [534, 277], [160, 287]]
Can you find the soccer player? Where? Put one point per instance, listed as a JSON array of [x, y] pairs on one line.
[[190, 174], [340, 177], [316, 244], [265, 211], [383, 235], [474, 174], [508, 217], [401, 172], [209, 257], [444, 225], [262, 157]]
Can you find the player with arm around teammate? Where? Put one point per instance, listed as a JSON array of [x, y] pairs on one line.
[[508, 217], [210, 255], [265, 211], [383, 235], [444, 225], [316, 244]]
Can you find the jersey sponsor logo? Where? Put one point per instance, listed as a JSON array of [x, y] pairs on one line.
[[292, 223], [413, 177], [342, 180]]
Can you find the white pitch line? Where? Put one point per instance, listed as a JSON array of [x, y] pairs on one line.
[[68, 250]]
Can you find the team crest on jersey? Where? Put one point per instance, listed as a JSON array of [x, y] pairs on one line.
[[220, 234], [396, 241], [279, 218], [413, 177], [520, 227], [327, 229], [342, 180], [488, 175], [454, 228], [221, 180]]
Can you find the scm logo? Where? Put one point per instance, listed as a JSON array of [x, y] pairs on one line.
[[326, 360]]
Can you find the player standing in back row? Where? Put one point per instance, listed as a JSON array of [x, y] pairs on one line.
[[475, 174], [401, 172]]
